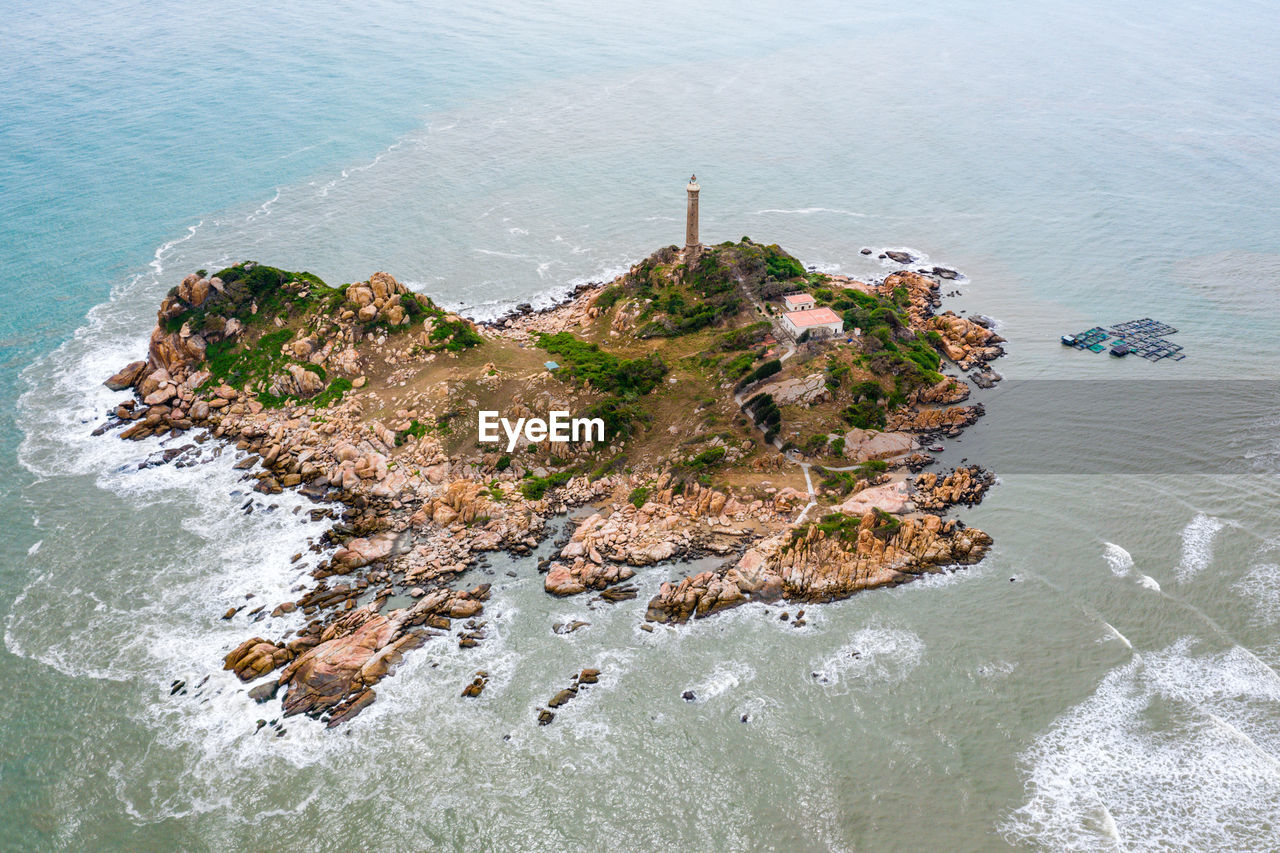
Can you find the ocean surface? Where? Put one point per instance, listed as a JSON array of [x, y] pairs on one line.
[[1106, 680]]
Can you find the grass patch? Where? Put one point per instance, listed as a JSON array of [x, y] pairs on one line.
[[333, 393], [416, 429]]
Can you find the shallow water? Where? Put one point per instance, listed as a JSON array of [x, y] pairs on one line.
[[1080, 164]]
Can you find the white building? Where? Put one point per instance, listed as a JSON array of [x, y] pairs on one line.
[[797, 302], [799, 322]]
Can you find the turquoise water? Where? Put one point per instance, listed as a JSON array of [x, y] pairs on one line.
[[1080, 164]]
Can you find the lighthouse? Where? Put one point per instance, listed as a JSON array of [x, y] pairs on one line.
[[691, 217]]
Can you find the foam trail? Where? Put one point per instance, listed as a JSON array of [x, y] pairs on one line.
[[265, 208], [723, 678], [157, 261], [807, 211], [1120, 560], [1121, 563], [1111, 773], [1121, 637], [34, 548], [872, 655], [1261, 586], [1197, 545]]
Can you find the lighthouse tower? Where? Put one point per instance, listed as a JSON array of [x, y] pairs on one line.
[[691, 218]]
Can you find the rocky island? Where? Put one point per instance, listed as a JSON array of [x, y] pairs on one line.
[[796, 458]]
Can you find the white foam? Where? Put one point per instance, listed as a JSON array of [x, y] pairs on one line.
[[808, 211], [157, 261], [1173, 751], [873, 655], [1261, 586], [115, 627], [34, 548], [355, 170], [1121, 563], [265, 208], [1197, 545], [1115, 632], [723, 678], [917, 256], [1120, 560], [548, 298]]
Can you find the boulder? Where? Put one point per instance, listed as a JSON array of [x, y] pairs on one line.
[[127, 376]]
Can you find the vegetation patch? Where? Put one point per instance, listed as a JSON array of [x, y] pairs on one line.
[[765, 413], [533, 488], [764, 371], [416, 429], [708, 458], [333, 393], [627, 378]]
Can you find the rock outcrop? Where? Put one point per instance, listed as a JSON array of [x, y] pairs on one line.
[[963, 486], [965, 342], [863, 445], [810, 565], [950, 421]]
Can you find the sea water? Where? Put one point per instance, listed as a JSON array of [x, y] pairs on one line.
[[1106, 679]]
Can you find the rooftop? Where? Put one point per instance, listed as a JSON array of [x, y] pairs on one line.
[[813, 317], [797, 299]]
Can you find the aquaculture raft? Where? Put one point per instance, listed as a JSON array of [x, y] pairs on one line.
[[1144, 337]]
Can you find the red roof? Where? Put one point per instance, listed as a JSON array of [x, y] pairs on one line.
[[813, 317], [797, 298]]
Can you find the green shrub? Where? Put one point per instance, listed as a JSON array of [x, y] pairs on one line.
[[639, 495], [628, 378], [237, 365], [416, 429], [608, 297], [620, 416], [839, 482], [738, 365], [455, 335], [867, 389], [333, 393], [707, 458], [864, 414], [815, 444], [533, 488], [747, 336], [780, 265], [769, 368]]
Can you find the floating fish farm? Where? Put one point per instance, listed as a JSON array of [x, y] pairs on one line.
[[1144, 338]]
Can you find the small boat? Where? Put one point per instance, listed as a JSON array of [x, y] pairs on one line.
[[1120, 351], [1069, 340], [937, 448]]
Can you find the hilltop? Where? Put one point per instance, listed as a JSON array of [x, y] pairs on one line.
[[725, 434]]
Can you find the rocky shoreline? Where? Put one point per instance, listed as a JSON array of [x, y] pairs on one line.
[[306, 381]]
